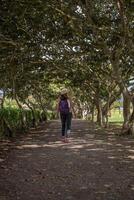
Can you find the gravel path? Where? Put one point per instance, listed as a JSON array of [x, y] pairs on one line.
[[94, 165]]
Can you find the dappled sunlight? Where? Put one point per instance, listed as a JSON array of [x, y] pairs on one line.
[[107, 143], [132, 187], [101, 192], [120, 150], [73, 144], [111, 139], [37, 131], [97, 162], [97, 128], [107, 185], [76, 146], [119, 145], [131, 150], [28, 146], [100, 142], [87, 129], [89, 136], [96, 149], [6, 148], [125, 161], [50, 131], [1, 160], [94, 160], [111, 132], [78, 140], [131, 157], [27, 138], [127, 147], [79, 130], [51, 145], [62, 60], [89, 145], [25, 156], [111, 157]]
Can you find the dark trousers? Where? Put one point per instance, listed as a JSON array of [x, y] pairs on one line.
[[64, 122]]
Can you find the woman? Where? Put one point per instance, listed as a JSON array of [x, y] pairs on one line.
[[64, 108]]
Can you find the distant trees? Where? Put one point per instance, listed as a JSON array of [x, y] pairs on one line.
[[87, 45]]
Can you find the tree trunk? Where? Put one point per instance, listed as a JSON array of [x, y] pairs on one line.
[[126, 109], [105, 115], [93, 113], [99, 112], [128, 128], [98, 104], [106, 107], [33, 114], [79, 109]]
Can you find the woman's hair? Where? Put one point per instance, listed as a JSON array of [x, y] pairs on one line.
[[63, 96]]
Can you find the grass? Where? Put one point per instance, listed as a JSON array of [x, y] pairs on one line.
[[116, 116]]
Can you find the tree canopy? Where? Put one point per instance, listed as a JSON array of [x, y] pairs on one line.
[[82, 44]]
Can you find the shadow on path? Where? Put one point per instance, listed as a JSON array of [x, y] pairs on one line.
[[94, 165]]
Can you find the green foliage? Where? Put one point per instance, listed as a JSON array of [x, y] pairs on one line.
[[11, 115], [82, 45], [51, 115], [13, 119]]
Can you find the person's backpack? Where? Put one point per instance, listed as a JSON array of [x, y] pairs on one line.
[[63, 106]]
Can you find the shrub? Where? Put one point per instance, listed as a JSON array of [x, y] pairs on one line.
[[14, 119]]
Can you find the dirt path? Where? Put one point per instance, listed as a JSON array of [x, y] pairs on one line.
[[95, 165]]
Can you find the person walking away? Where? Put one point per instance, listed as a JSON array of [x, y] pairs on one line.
[[64, 108]]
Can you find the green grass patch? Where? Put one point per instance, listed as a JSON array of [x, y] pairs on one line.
[[116, 116]]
